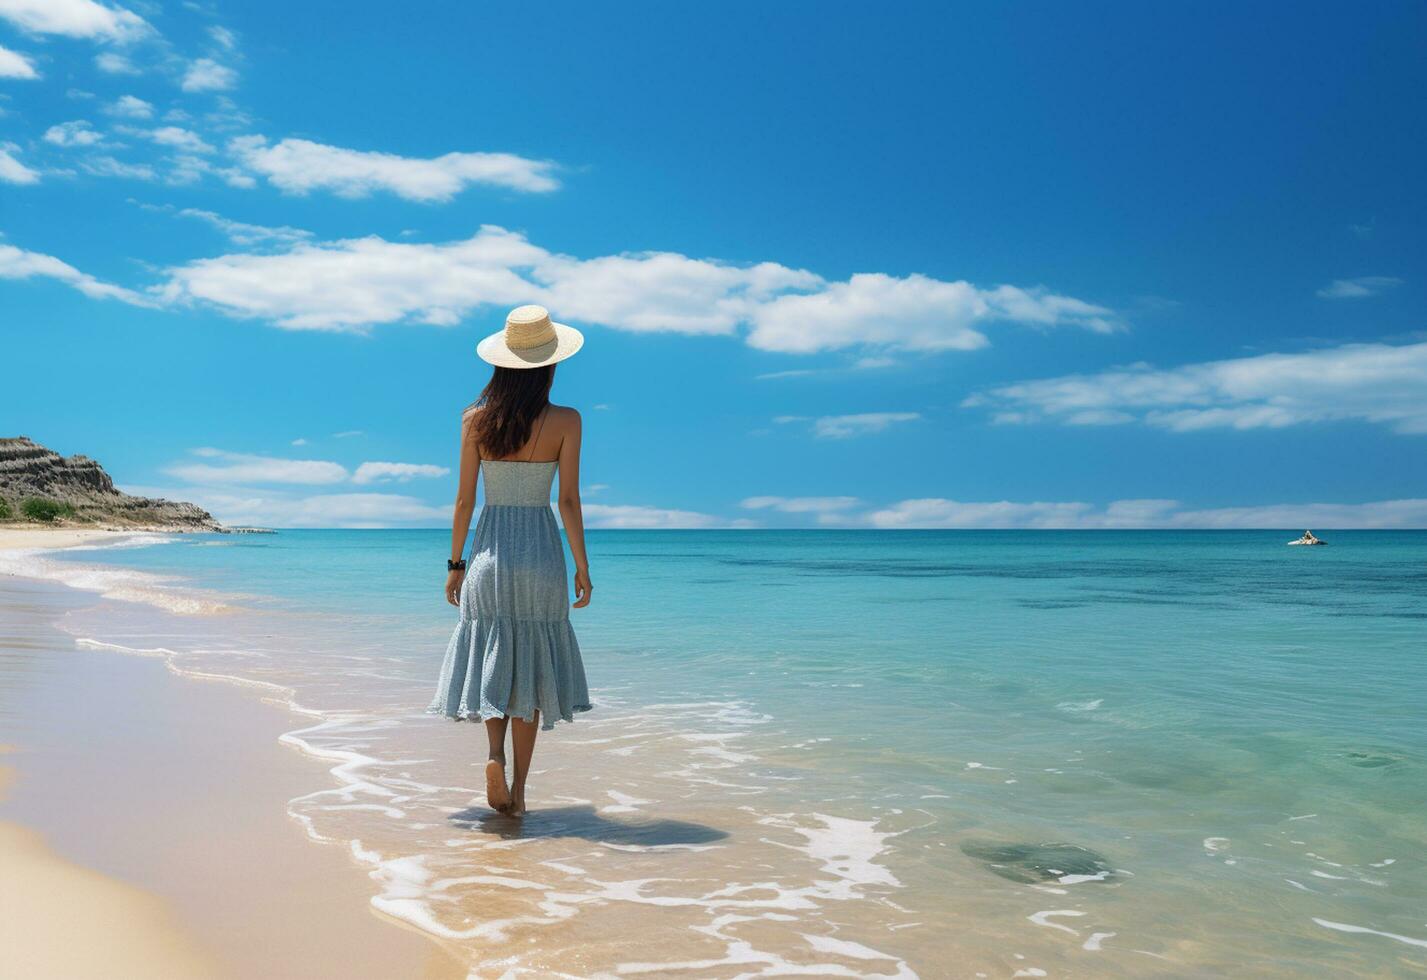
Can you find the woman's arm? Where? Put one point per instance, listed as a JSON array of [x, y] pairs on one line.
[[570, 511], [465, 503]]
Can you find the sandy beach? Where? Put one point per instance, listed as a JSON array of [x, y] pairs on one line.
[[156, 815], [17, 536], [128, 932]]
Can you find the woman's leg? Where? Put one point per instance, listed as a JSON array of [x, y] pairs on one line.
[[497, 795], [522, 738]]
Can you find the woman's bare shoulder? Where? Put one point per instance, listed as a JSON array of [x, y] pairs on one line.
[[564, 416], [469, 414]]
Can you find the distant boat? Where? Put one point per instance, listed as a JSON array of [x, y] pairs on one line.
[[1308, 538]]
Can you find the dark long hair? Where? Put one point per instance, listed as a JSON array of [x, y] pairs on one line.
[[509, 406]]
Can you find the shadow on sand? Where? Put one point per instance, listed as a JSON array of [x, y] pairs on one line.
[[583, 822]]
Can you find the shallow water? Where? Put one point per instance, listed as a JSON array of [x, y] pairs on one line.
[[860, 753]]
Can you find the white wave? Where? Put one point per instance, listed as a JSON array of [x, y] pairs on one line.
[[1345, 927], [740, 953], [1043, 919], [1077, 706], [623, 802], [1078, 879], [121, 584], [844, 947], [845, 847], [139, 539]]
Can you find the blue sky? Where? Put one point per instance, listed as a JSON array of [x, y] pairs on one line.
[[888, 266]]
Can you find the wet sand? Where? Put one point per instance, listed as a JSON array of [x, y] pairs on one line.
[[152, 810]]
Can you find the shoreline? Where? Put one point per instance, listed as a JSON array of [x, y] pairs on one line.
[[25, 537], [230, 885]]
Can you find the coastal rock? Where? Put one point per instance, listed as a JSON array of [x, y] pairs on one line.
[[1033, 864], [28, 469]]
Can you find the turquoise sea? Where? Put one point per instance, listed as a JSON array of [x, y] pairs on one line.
[[860, 753]]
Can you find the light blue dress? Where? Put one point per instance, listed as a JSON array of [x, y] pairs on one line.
[[514, 651]]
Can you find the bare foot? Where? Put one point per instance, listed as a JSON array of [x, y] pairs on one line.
[[517, 805], [497, 795]]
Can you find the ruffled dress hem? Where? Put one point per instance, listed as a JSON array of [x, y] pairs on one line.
[[501, 666]]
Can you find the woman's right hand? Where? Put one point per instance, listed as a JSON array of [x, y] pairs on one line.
[[583, 588], [453, 586]]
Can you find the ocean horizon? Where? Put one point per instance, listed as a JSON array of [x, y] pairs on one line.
[[855, 752]]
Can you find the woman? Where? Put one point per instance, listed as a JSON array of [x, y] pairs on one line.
[[513, 660]]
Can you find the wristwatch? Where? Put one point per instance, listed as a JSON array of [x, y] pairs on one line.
[[459, 565]]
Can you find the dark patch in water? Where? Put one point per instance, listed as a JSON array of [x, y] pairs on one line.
[[1373, 758], [1032, 864]]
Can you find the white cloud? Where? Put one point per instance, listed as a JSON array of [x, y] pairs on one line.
[[107, 166], [223, 37], [351, 284], [1376, 514], [242, 233], [396, 472], [12, 171], [349, 510], [801, 505], [846, 426], [299, 442], [130, 107], [13, 64], [868, 363], [227, 469], [915, 313], [1358, 288], [631, 516], [240, 468], [176, 137], [188, 168], [207, 75], [937, 512], [1378, 383], [361, 281], [112, 63], [274, 508], [16, 263], [225, 115], [349, 434], [77, 132], [300, 166], [74, 18], [661, 291]]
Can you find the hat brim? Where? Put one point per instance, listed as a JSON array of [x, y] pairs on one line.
[[494, 350]]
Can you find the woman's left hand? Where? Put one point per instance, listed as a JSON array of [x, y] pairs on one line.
[[453, 587], [583, 588]]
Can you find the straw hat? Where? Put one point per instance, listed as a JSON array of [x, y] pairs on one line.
[[530, 340]]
